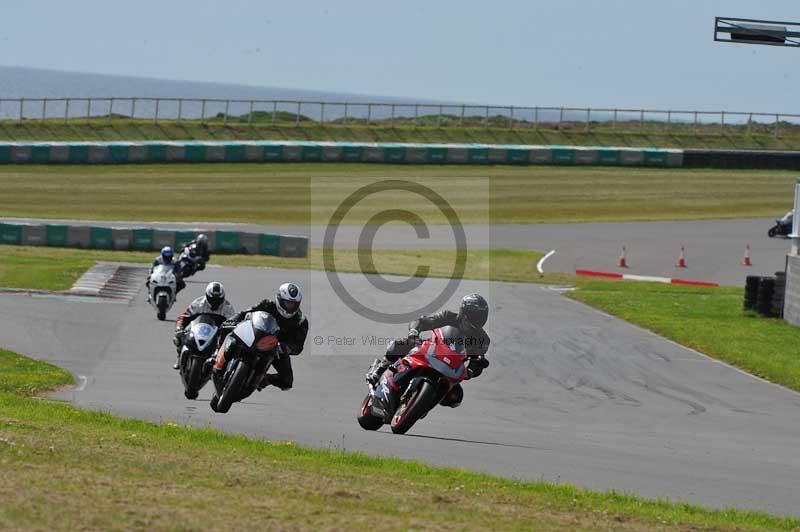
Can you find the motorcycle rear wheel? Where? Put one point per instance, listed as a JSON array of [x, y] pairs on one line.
[[365, 417], [233, 388], [414, 408], [772, 232]]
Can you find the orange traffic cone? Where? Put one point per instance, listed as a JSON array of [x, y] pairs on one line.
[[746, 259], [622, 262], [681, 259]]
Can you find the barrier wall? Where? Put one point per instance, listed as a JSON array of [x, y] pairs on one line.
[[148, 239], [306, 151], [791, 304]]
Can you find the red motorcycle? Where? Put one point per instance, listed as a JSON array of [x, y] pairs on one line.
[[437, 366]]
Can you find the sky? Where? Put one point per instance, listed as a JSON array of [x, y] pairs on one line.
[[615, 53]]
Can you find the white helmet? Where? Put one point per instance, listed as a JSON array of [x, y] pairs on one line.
[[288, 299], [215, 294]]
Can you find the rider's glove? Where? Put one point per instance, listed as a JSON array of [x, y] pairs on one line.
[[413, 336], [283, 350], [476, 366]]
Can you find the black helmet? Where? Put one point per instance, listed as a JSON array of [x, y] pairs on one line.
[[473, 312], [215, 294], [202, 242]]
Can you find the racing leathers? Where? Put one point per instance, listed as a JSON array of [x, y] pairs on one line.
[[200, 306], [291, 338], [475, 341]]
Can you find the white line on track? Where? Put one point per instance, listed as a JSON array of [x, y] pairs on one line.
[[82, 386], [541, 261]]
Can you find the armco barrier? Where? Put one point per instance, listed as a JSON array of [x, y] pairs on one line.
[[309, 151], [147, 239]]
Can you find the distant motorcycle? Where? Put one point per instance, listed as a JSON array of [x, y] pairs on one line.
[[246, 355], [782, 227], [191, 261], [200, 344], [163, 289], [437, 366]]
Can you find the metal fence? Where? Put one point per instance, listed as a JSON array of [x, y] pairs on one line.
[[287, 112]]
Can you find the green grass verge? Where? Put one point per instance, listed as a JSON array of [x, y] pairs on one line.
[[45, 268], [161, 476], [503, 194], [652, 134], [710, 320]]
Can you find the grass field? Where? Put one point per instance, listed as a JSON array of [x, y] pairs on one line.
[[45, 268], [709, 320], [629, 134], [146, 476], [302, 193]]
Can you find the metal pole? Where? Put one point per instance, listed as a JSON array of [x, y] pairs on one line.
[[369, 114], [297, 116], [536, 117], [274, 111], [439, 118], [486, 118], [391, 120], [322, 113], [344, 121], [588, 118], [511, 117], [227, 108], [21, 100], [111, 108], [749, 123], [180, 108], [669, 120], [560, 117], [66, 111], [250, 117], [203, 111], [44, 108], [155, 116], [695, 122], [133, 108], [416, 114], [88, 108], [461, 120], [641, 119], [722, 123], [777, 119], [614, 122]]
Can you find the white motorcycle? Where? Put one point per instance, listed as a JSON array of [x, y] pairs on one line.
[[163, 289]]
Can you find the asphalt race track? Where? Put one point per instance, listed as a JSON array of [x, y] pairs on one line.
[[714, 248], [572, 395]]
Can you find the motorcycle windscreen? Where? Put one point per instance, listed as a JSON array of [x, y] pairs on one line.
[[244, 332], [163, 275], [203, 330]]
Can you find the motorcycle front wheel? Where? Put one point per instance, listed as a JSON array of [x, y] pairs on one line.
[[194, 376], [365, 417], [414, 408], [233, 388]]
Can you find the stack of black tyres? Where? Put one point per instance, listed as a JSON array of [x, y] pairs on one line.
[[765, 295], [751, 292]]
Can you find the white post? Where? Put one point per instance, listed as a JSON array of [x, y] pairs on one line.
[[795, 236]]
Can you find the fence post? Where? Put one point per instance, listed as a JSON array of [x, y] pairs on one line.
[[155, 115], [695, 122], [344, 120], [722, 123], [416, 114], [133, 108], [66, 111], [669, 120], [274, 111], [511, 117], [614, 122], [588, 118], [391, 120], [322, 113], [749, 123], [777, 120], [536, 117], [641, 119], [180, 108], [250, 116], [439, 118], [203, 111], [111, 108], [486, 118], [88, 108], [461, 120], [297, 115], [369, 114], [44, 108], [227, 108], [560, 117]]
